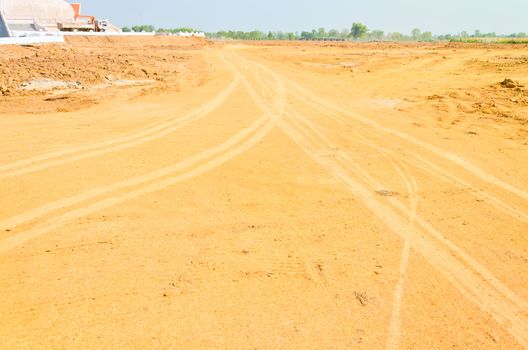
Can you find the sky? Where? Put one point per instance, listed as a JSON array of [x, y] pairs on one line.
[[438, 16]]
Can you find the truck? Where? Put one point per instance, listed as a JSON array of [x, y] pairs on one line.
[[84, 24]]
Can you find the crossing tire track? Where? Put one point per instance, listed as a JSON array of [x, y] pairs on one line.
[[503, 305], [468, 276], [314, 100], [154, 181]]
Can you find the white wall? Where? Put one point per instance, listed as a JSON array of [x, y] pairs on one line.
[[31, 40], [196, 34]]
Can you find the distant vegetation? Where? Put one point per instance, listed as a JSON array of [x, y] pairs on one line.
[[360, 32], [141, 28], [147, 28], [495, 40], [357, 32]]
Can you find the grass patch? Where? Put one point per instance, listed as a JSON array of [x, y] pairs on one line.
[[490, 41], [513, 41]]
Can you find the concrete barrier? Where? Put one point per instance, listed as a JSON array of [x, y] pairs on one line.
[[29, 40], [34, 37], [104, 34], [21, 33]]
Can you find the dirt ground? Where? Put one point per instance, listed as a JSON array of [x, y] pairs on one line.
[[176, 194]]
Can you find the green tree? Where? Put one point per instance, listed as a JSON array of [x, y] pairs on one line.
[[254, 35], [377, 34], [280, 36], [396, 36], [416, 34], [358, 30], [144, 28], [126, 29], [307, 36], [333, 33], [321, 33], [426, 36]]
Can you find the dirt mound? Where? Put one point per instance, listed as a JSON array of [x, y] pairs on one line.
[[135, 41], [29, 71]]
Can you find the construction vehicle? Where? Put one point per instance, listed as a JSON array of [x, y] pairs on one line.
[[84, 24]]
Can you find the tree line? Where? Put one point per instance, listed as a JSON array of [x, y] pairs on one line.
[[358, 32], [147, 28]]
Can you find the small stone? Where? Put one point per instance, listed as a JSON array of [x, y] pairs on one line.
[[386, 193], [4, 90], [362, 298]]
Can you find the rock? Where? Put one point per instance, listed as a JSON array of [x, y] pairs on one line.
[[362, 298], [4, 90], [510, 84], [386, 193], [435, 97]]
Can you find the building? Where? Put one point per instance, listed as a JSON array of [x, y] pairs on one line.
[[35, 15], [31, 17]]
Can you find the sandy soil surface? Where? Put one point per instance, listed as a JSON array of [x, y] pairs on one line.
[[185, 194]]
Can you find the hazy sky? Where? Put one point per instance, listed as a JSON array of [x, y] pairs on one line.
[[438, 16]]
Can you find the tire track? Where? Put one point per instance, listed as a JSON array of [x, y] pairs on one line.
[[429, 229], [41, 211], [472, 284], [316, 271], [394, 336], [312, 99], [394, 331], [468, 276], [427, 165], [313, 268], [438, 172], [211, 159], [119, 143]]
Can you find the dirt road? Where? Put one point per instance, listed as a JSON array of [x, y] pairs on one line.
[[299, 196]]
